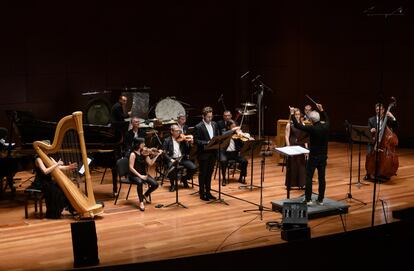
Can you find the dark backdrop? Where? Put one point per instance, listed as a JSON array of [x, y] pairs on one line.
[[196, 51]]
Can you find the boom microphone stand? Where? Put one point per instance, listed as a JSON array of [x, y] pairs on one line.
[[369, 12], [261, 207]]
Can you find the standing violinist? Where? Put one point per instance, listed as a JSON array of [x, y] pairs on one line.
[[392, 124], [139, 160], [233, 151], [177, 146]]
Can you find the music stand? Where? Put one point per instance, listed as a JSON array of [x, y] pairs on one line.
[[289, 151], [176, 166], [359, 134], [218, 143], [252, 148]]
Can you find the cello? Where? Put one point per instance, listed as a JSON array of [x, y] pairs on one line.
[[382, 160]]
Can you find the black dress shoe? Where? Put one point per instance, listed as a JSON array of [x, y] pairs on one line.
[[172, 188], [185, 183], [242, 180], [204, 198], [366, 177], [209, 196]]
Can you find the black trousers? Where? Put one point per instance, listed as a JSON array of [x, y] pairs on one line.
[[206, 168], [151, 183], [316, 162], [188, 165], [233, 155]]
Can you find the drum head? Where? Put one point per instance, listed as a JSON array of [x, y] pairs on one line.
[[168, 109], [98, 112]]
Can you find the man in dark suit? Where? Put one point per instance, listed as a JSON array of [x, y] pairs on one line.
[[175, 148], [222, 124], [181, 122], [392, 123], [118, 110], [318, 137], [204, 132], [134, 132]]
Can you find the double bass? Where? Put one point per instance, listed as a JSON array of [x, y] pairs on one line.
[[382, 160]]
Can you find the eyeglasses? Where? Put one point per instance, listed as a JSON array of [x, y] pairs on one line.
[[177, 131]]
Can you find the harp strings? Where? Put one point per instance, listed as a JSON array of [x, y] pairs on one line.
[[71, 153]]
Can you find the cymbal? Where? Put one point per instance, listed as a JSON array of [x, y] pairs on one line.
[[248, 104], [150, 132], [248, 113], [169, 122]]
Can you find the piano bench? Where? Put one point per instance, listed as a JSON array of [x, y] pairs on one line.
[[37, 196]]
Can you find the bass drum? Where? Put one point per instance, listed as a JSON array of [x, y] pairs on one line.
[[168, 109], [98, 112]]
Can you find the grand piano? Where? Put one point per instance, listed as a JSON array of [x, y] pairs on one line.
[[98, 138]]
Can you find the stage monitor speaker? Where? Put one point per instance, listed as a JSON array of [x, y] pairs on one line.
[[85, 243], [296, 233], [407, 213]]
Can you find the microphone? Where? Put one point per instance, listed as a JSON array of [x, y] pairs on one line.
[[244, 75], [256, 78], [221, 98], [371, 8], [400, 10]]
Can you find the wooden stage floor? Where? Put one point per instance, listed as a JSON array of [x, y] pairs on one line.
[[127, 235]]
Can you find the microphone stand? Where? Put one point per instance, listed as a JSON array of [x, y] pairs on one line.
[[396, 12], [260, 93]]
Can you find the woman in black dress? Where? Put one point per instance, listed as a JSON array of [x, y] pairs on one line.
[[296, 170], [139, 160], [55, 199]]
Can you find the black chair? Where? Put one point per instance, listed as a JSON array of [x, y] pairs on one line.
[[122, 167]]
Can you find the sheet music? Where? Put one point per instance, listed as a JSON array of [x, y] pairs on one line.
[[82, 169], [292, 150]]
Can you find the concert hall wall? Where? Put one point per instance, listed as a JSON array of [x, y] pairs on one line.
[[196, 51]]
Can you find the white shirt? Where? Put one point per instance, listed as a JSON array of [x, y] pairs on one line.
[[232, 145], [209, 129], [177, 151]]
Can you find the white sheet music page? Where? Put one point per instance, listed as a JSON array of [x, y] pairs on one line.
[[292, 150]]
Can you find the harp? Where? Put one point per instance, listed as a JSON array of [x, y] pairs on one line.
[[83, 202]]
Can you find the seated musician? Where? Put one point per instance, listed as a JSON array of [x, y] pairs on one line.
[[139, 160], [181, 122], [55, 199], [134, 132], [177, 146], [233, 151], [222, 124]]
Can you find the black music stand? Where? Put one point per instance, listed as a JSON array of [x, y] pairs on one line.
[[359, 134], [289, 151], [218, 143], [176, 166], [252, 148]]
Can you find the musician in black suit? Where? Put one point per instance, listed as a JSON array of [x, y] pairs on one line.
[[204, 132], [392, 123], [318, 137], [181, 122], [221, 124], [134, 132], [232, 152], [118, 115], [118, 110], [177, 146]]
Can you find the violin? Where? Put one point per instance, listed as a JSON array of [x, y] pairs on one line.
[[242, 136], [183, 137], [152, 152]]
